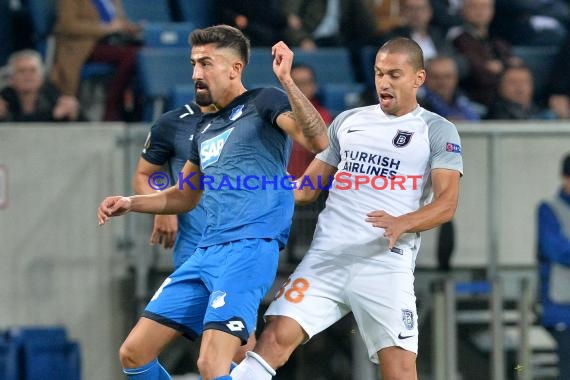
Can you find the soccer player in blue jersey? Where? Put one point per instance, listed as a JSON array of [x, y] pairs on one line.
[[168, 143], [223, 282]]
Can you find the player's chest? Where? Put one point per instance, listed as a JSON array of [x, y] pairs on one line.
[[400, 138]]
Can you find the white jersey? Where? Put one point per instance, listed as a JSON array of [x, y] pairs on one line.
[[384, 163]]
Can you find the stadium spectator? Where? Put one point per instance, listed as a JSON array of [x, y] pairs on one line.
[[553, 222], [515, 97], [485, 55], [441, 94], [416, 17], [531, 22], [326, 23], [95, 31], [387, 14], [257, 19], [29, 97], [446, 13]]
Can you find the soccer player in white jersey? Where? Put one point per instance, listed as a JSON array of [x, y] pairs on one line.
[[396, 169]]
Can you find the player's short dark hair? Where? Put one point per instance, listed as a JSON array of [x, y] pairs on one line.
[[407, 46], [223, 36]]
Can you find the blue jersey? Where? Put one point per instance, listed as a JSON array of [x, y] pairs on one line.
[[243, 140], [169, 141]]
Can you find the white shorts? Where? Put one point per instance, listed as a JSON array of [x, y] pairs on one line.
[[380, 293]]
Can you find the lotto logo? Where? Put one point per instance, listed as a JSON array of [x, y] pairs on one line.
[[211, 149], [235, 325]]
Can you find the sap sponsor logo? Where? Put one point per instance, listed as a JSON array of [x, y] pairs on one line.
[[453, 148], [211, 149], [218, 299]]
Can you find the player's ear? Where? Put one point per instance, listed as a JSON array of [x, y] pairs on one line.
[[420, 78], [237, 69]]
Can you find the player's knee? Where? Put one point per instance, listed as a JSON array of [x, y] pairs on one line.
[[129, 356], [249, 346], [278, 341], [207, 364]]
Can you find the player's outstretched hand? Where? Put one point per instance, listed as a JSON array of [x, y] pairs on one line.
[[282, 60], [392, 226], [113, 206]]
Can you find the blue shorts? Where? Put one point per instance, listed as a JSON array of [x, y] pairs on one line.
[[183, 249], [219, 287]]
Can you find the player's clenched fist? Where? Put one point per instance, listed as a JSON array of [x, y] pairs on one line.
[[282, 60], [113, 206]]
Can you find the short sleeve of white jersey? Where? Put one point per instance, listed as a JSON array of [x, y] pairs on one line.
[[445, 144], [331, 155]]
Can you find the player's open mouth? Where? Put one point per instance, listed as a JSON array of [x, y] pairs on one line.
[[386, 99], [199, 86]]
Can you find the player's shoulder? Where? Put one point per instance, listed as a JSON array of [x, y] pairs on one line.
[[433, 120], [265, 93], [354, 112], [186, 111]]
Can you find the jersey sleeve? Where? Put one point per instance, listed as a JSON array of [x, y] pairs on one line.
[[331, 155], [193, 154], [445, 146], [159, 145], [270, 103]]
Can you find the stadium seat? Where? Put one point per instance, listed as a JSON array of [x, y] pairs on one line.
[[43, 14], [367, 58], [8, 360], [41, 353], [170, 34], [181, 95], [197, 12], [260, 68], [540, 60], [52, 361], [331, 65], [147, 10], [338, 97], [160, 70]]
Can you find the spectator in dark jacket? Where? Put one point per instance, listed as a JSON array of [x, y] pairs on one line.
[[29, 97], [486, 56], [515, 97]]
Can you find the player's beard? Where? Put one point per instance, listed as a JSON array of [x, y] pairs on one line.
[[203, 97]]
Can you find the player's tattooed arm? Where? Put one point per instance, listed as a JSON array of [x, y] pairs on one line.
[[304, 123]]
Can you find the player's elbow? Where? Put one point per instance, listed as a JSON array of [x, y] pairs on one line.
[[305, 197]]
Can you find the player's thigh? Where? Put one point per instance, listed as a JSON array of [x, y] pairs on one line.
[[384, 306], [180, 301], [313, 295], [239, 274]]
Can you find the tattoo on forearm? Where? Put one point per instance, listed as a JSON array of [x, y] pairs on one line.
[[305, 114]]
